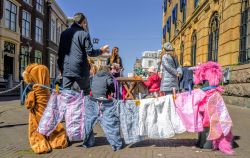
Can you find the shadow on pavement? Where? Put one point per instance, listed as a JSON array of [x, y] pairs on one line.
[[9, 126], [9, 98], [165, 143]]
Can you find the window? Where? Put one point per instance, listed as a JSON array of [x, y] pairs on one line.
[[244, 55], [38, 57], [193, 49], [196, 3], [10, 15], [24, 58], [164, 33], [183, 9], [150, 63], [53, 30], [213, 38], [27, 1], [52, 67], [9, 47], [59, 31], [182, 53], [26, 24], [174, 16], [169, 28], [165, 5], [39, 5], [39, 30]]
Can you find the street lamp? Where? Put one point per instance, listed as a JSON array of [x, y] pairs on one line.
[[96, 40]]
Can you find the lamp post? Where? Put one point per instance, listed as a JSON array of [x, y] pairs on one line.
[[96, 40]]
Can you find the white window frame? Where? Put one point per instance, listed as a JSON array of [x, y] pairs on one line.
[[10, 15], [53, 30], [26, 22], [38, 57], [39, 30], [52, 66], [40, 5], [28, 2], [59, 31]]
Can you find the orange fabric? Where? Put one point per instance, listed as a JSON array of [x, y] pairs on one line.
[[36, 102]]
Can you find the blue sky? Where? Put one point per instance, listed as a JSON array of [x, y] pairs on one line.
[[132, 25]]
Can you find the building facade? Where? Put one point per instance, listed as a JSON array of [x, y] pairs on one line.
[[101, 60], [208, 30], [213, 30], [32, 21], [150, 58], [9, 40], [56, 23], [29, 33]]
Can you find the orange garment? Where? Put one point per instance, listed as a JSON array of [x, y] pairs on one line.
[[36, 102]]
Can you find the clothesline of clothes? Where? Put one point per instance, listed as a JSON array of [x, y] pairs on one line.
[[161, 117]]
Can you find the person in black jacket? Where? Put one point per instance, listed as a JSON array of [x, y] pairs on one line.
[[75, 45]]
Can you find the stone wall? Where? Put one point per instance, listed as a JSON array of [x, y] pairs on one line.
[[237, 92]]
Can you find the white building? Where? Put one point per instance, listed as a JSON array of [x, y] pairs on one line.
[[150, 58], [101, 60]]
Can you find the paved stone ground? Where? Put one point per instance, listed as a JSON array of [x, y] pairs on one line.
[[14, 140]]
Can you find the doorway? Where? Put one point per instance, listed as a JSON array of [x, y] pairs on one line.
[[8, 66]]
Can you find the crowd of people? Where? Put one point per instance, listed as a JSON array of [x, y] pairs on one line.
[[99, 84]]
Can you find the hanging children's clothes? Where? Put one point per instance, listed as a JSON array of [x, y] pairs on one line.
[[66, 104], [217, 118], [129, 116], [220, 124], [158, 118], [104, 112], [36, 102], [188, 110]]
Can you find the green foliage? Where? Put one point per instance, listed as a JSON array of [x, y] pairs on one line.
[[140, 72]]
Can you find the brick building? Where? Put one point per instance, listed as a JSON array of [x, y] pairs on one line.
[[56, 23], [33, 15], [29, 33]]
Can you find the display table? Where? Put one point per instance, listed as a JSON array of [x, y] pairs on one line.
[[129, 83]]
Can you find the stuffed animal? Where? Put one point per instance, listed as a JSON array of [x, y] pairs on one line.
[[36, 102]]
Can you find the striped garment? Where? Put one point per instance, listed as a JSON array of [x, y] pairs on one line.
[[68, 105]]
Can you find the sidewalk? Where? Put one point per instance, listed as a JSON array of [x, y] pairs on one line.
[[14, 140]]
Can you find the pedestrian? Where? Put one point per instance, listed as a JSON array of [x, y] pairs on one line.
[[171, 70], [153, 82], [102, 83], [115, 62], [74, 48], [186, 81]]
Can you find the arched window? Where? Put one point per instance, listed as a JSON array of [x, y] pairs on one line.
[[193, 49], [213, 38], [244, 55], [196, 3], [182, 53]]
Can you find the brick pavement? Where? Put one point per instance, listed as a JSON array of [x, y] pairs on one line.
[[14, 140]]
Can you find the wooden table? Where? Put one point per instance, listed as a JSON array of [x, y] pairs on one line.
[[129, 83]]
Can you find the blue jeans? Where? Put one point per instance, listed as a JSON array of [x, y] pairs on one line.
[[104, 112], [129, 117]]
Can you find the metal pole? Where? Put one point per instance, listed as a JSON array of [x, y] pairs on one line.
[[21, 91]]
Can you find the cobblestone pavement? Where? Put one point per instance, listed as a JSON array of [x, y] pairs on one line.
[[14, 140]]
